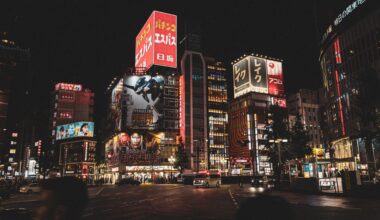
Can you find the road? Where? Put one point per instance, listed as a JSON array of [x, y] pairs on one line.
[[186, 202]]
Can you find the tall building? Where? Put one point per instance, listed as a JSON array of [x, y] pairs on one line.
[[305, 103], [350, 61], [217, 117], [258, 85], [193, 103], [16, 105], [72, 107]]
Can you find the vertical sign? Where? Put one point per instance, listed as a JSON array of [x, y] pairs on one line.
[[165, 39], [241, 77], [258, 73], [275, 78], [156, 44], [144, 44]]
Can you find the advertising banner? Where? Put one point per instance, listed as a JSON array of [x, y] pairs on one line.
[[241, 77], [144, 44], [275, 78], [156, 43], [258, 73], [134, 149], [143, 95], [165, 39], [76, 129]]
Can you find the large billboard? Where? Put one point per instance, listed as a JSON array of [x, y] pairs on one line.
[[143, 95], [156, 43], [255, 74], [275, 80], [133, 149], [76, 129]]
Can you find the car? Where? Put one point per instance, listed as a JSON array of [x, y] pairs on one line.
[[30, 188], [179, 178], [207, 180], [377, 176], [261, 183]]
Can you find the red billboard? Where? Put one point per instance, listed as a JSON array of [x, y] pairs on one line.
[[275, 80], [156, 44]]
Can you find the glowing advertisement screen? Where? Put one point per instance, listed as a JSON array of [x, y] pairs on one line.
[[76, 129], [133, 149], [275, 80], [143, 96]]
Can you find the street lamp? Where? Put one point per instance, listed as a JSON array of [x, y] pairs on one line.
[[171, 161]]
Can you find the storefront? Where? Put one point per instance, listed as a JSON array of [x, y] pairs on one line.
[[150, 174]]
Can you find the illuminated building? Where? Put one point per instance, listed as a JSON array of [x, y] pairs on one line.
[[349, 57], [258, 85], [193, 103], [15, 104], [142, 128], [217, 114], [70, 103], [306, 104]]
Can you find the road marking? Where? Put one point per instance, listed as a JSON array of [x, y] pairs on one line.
[[100, 191], [233, 199], [88, 214]]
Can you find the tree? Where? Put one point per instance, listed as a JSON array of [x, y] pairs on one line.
[[182, 157], [276, 131], [298, 140]]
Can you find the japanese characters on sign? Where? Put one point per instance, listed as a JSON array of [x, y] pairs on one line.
[[259, 79], [68, 86], [165, 39], [255, 74], [275, 80], [241, 77], [280, 102], [156, 44], [144, 44]]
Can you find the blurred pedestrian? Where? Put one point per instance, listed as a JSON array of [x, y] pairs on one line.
[[62, 199], [265, 207]]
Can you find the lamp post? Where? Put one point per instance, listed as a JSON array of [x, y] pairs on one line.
[[171, 161]]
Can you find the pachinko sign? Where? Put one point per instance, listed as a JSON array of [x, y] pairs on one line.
[[156, 43]]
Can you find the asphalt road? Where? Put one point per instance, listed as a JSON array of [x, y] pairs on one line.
[[187, 202]]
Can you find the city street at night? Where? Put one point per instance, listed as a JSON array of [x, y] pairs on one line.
[[187, 202]]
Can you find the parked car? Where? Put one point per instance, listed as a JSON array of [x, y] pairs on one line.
[[30, 188], [207, 180], [179, 178]]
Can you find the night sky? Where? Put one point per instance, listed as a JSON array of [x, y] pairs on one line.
[[90, 42]]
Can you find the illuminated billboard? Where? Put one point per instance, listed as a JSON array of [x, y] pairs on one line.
[[143, 95], [250, 76], [255, 74], [133, 149], [76, 129], [68, 87], [275, 80], [156, 43], [116, 96]]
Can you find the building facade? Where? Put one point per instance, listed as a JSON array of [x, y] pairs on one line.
[[72, 109], [350, 61], [305, 103], [217, 117], [194, 108], [16, 105]]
